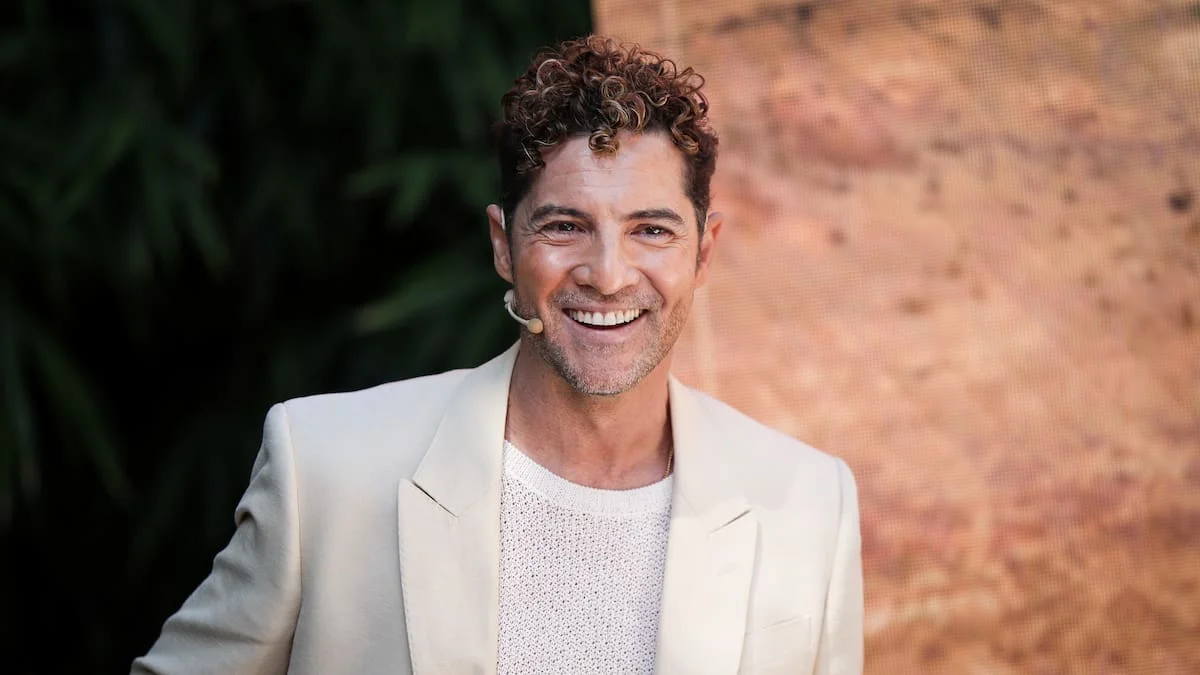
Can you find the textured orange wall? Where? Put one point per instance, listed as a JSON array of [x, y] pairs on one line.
[[963, 252]]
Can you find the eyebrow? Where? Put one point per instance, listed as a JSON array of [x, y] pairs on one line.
[[556, 210], [656, 214], [644, 214]]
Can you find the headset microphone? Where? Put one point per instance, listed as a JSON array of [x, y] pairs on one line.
[[533, 325]]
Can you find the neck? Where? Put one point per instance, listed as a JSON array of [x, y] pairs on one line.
[[612, 442]]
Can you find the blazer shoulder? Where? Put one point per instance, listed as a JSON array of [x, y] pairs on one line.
[[380, 399], [759, 437], [389, 424], [769, 462]]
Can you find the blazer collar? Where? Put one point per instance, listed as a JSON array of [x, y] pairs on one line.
[[704, 485], [711, 547], [449, 518], [463, 461], [448, 515]]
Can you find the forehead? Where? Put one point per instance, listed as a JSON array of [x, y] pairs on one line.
[[647, 171]]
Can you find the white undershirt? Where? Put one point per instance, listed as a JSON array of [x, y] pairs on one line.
[[581, 572]]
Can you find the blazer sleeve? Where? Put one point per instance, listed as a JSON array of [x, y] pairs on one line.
[[840, 650], [241, 618]]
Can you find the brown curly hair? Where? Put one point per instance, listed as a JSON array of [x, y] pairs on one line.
[[594, 86]]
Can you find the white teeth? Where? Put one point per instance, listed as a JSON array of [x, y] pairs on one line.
[[605, 319]]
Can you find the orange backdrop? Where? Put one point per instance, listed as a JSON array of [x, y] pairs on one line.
[[963, 252]]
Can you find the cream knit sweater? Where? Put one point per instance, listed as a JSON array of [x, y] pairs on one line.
[[581, 572]]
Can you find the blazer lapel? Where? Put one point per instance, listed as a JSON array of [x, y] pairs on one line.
[[449, 519], [710, 552]]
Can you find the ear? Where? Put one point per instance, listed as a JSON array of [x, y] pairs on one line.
[[712, 228], [501, 255]]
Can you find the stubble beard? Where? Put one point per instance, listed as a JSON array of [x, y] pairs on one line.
[[620, 378]]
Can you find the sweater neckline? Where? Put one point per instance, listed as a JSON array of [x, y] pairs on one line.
[[653, 499]]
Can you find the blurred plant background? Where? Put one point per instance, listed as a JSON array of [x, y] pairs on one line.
[[207, 206]]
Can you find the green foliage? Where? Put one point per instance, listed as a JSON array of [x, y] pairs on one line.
[[207, 206]]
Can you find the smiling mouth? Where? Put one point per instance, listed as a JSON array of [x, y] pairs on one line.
[[605, 319]]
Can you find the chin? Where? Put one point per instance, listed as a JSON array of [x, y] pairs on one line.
[[602, 372], [610, 378], [598, 387]]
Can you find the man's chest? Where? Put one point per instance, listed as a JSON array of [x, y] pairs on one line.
[[581, 578]]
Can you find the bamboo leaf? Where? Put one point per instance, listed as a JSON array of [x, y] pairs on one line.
[[21, 433], [166, 33], [437, 283], [203, 229], [191, 154], [113, 142], [72, 399], [433, 24], [484, 329], [158, 232], [170, 484], [476, 181], [411, 177]]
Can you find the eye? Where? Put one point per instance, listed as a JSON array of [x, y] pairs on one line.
[[561, 227], [655, 230]]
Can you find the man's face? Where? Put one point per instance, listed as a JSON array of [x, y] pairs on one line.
[[605, 249]]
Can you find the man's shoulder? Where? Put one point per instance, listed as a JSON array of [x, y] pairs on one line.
[[768, 443], [387, 399], [768, 462], [373, 427]]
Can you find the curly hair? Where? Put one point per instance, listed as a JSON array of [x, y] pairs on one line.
[[594, 86]]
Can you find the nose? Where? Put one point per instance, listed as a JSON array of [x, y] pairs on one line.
[[606, 266]]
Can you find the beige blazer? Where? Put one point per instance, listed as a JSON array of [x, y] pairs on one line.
[[368, 542]]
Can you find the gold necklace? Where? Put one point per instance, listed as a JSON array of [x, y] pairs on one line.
[[670, 456]]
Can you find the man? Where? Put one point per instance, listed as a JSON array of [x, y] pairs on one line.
[[567, 507]]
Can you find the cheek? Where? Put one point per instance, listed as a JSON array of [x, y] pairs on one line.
[[557, 259], [540, 268], [674, 277]]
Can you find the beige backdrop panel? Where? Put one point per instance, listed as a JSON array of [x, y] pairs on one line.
[[963, 252]]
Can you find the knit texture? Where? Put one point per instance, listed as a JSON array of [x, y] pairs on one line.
[[581, 572]]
